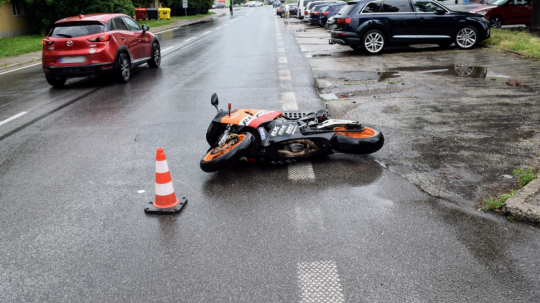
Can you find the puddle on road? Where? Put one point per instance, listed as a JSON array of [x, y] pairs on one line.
[[455, 70]]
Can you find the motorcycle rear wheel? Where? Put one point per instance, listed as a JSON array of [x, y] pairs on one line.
[[367, 141], [216, 159]]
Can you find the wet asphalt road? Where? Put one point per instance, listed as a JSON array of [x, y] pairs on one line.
[[72, 222]]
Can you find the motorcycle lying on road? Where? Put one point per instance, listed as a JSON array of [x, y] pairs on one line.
[[273, 136]]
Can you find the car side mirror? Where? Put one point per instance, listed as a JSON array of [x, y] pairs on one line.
[[215, 101], [145, 28], [439, 11]]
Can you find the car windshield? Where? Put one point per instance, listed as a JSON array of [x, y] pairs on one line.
[[499, 2], [76, 29]]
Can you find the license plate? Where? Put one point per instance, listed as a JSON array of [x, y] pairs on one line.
[[77, 59]]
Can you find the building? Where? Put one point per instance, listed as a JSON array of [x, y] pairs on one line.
[[14, 20]]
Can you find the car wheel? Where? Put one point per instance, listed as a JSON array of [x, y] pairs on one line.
[[155, 61], [496, 21], [373, 42], [282, 15], [57, 81], [124, 68], [467, 37]]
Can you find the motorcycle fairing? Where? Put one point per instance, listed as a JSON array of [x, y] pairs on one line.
[[250, 117]]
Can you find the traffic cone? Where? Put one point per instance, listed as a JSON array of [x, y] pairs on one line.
[[166, 202]]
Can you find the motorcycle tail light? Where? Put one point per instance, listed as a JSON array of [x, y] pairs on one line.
[[325, 13], [100, 39], [47, 42], [344, 21]]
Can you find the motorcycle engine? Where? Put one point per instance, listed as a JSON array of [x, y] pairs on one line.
[[296, 147]]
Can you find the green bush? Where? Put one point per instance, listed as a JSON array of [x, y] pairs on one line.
[[46, 12]]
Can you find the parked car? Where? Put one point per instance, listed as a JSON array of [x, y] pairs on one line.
[[253, 4], [330, 22], [97, 44], [329, 12], [276, 4], [316, 13], [309, 7], [373, 25], [281, 11], [219, 5], [505, 12]]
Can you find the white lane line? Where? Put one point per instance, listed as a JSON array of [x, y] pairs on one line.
[[301, 171], [168, 48], [9, 71], [13, 118], [282, 59], [226, 24], [284, 74], [288, 101], [218, 28], [279, 38], [319, 282], [206, 33], [280, 50], [190, 39], [280, 43]]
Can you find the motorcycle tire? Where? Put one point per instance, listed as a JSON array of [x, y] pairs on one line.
[[214, 161], [367, 141]]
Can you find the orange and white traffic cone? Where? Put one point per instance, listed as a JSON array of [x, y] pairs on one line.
[[166, 202]]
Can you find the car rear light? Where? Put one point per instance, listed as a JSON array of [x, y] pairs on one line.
[[100, 39], [344, 21], [306, 13], [106, 66], [47, 42], [325, 13], [315, 13]]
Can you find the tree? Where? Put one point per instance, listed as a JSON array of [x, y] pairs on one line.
[[535, 20], [46, 12]]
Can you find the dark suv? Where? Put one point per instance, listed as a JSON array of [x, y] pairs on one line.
[[373, 25]]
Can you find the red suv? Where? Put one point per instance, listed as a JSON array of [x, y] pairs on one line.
[[502, 12], [97, 44]]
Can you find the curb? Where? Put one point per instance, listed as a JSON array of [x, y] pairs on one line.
[[525, 204], [161, 29]]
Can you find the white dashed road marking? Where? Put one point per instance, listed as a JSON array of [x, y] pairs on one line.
[[207, 33], [190, 39], [281, 50], [14, 117], [288, 101], [319, 282], [284, 74], [168, 48], [20, 68], [301, 171], [280, 43], [282, 60]]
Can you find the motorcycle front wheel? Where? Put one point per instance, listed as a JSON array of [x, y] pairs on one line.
[[366, 141], [220, 157]]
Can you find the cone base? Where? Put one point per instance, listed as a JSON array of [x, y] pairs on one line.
[[151, 210]]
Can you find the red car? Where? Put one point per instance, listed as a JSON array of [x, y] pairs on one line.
[[97, 44], [504, 12]]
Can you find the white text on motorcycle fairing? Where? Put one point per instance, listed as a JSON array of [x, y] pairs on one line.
[[246, 120], [290, 129], [262, 112], [282, 130], [274, 131]]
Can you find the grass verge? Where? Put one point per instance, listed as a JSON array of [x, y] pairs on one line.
[[524, 177], [20, 45], [520, 40], [155, 23], [193, 17]]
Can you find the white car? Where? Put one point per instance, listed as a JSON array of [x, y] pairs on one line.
[[253, 3]]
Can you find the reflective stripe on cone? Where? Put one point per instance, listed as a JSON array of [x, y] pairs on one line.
[[165, 197]]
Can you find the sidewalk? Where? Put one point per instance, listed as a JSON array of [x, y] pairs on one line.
[[34, 58]]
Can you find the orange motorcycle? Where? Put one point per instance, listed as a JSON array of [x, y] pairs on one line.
[[282, 137]]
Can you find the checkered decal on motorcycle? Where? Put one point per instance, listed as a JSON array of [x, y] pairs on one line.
[[319, 282]]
